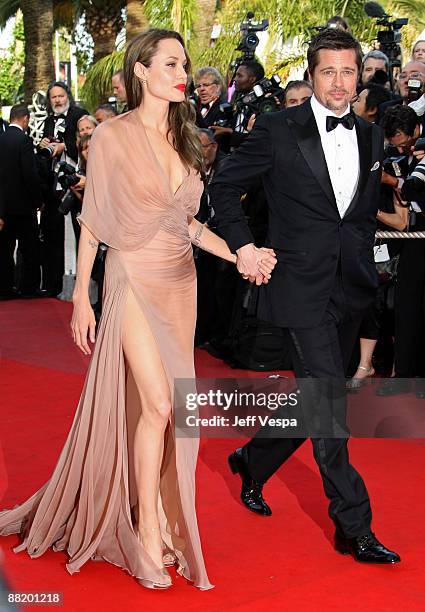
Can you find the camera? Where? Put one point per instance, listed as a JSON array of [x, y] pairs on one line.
[[414, 89], [226, 115], [413, 188], [46, 152], [249, 40], [395, 164], [390, 38], [67, 177], [262, 98]]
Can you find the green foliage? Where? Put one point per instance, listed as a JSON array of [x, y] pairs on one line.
[[98, 80], [288, 19], [12, 68]]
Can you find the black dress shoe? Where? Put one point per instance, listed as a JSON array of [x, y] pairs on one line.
[[252, 491], [394, 387], [365, 549]]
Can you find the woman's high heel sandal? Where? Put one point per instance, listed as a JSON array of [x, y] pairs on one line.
[[355, 383], [149, 584]]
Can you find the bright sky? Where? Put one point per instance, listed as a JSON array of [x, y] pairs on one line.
[[6, 35]]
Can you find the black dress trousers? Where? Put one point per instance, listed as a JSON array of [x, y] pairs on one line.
[[322, 352]]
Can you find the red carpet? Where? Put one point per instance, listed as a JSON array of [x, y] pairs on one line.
[[285, 562]]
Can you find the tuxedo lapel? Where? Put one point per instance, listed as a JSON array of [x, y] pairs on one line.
[[304, 126], [364, 142]]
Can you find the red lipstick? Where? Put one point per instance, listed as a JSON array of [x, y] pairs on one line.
[[180, 87]]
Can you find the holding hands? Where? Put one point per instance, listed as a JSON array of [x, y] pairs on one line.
[[255, 264]]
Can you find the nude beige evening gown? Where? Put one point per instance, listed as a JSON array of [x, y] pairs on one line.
[[87, 506]]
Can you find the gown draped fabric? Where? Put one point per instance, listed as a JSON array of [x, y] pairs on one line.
[[88, 505]]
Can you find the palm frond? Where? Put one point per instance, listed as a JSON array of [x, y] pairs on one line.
[[8, 9], [98, 79]]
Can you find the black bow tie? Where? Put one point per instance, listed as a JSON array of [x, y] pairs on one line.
[[61, 116], [347, 121]]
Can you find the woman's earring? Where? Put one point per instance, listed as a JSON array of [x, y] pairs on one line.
[[144, 82]]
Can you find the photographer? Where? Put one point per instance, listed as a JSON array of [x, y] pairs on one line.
[[86, 126], [412, 71], [373, 61], [368, 101], [249, 72], [208, 86], [297, 92], [58, 145], [73, 182], [105, 112], [402, 129]]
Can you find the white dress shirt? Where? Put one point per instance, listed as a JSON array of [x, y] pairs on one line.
[[16, 125], [341, 154]]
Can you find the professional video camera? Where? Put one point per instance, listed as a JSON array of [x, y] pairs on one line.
[[390, 38], [262, 98], [249, 41]]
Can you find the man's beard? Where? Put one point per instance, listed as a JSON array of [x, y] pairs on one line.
[[60, 110]]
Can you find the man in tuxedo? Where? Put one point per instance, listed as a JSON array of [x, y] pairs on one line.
[[208, 84], [321, 168], [60, 135], [20, 196]]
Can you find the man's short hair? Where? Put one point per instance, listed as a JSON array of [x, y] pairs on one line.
[[209, 70], [108, 108], [254, 68], [379, 55], [297, 85], [209, 133], [335, 39], [119, 73], [376, 95], [19, 111], [399, 119]]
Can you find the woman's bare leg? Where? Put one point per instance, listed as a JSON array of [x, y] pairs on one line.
[[365, 367], [144, 360]]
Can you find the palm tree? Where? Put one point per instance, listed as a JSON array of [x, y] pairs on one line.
[[103, 21], [38, 30], [203, 23], [136, 19]]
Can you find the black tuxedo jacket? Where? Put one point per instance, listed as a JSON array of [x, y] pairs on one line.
[[305, 229], [213, 114], [70, 135], [20, 184]]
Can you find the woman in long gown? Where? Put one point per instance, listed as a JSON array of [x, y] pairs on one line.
[[123, 489]]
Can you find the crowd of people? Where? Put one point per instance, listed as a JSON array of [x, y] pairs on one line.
[[46, 182]]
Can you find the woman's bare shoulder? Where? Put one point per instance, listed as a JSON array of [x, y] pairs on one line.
[[113, 127]]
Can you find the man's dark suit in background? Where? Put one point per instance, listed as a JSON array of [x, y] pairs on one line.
[[324, 280], [20, 195]]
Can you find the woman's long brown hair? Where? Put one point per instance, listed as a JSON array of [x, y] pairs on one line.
[[181, 115]]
